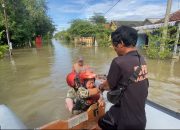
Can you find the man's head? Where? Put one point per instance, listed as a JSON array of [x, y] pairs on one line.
[[80, 61], [123, 39]]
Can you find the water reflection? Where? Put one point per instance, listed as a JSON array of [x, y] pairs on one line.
[[61, 64], [165, 83], [34, 86]]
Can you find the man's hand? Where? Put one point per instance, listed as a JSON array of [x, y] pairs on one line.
[[101, 87], [104, 86], [101, 102]]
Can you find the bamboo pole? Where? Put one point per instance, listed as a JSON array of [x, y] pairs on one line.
[[166, 20], [177, 41], [6, 25]]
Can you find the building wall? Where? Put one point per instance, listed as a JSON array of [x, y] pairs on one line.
[[88, 41], [142, 40]]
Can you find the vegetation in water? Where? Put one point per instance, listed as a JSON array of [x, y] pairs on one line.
[[3, 50], [153, 49], [87, 28]]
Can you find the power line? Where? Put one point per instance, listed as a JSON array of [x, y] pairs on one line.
[[112, 7]]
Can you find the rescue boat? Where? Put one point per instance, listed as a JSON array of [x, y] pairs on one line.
[[158, 117], [86, 120]]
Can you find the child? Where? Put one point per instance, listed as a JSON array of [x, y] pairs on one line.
[[83, 92]]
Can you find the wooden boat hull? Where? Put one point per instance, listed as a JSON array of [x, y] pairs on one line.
[[85, 120]]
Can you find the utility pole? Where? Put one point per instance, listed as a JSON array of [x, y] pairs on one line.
[[7, 31], [166, 20], [176, 42]]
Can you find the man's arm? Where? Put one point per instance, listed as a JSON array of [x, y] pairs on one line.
[[104, 86], [112, 78]]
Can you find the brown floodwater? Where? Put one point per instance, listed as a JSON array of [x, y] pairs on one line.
[[33, 83]]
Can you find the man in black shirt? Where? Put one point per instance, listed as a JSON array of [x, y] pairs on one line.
[[130, 114]]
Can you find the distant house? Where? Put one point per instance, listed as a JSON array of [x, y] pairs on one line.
[[87, 41], [174, 20], [128, 23], [113, 25], [149, 21], [173, 17]]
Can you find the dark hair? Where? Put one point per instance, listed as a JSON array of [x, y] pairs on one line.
[[126, 34]]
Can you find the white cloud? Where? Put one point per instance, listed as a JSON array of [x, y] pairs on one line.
[[131, 9], [70, 9], [81, 1], [61, 27], [124, 10], [97, 8]]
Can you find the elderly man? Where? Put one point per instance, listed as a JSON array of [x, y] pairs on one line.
[[79, 66]]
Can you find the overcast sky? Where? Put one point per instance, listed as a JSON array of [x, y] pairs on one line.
[[64, 11]]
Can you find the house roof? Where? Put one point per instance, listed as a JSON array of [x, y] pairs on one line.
[[154, 26], [128, 23], [173, 17], [152, 20], [107, 25]]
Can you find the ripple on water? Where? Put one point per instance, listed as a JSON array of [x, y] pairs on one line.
[[34, 84]]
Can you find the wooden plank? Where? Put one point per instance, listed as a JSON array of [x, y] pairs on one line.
[[85, 120]]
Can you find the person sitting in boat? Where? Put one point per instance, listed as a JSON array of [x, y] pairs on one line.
[[79, 66], [83, 92]]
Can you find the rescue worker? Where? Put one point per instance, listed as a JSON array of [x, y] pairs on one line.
[[129, 112], [83, 92], [79, 66]]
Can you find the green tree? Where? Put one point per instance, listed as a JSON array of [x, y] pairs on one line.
[[81, 28], [98, 18], [155, 40], [26, 19], [63, 35], [102, 35]]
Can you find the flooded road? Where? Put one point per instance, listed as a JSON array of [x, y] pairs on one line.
[[33, 82]]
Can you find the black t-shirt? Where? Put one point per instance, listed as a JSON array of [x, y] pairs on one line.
[[131, 114]]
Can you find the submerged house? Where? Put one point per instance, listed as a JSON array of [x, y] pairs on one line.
[[149, 21], [174, 17], [113, 25], [174, 20], [87, 41]]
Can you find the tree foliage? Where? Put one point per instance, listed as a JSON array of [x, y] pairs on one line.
[[63, 35], [3, 50], [98, 18], [81, 28], [85, 28], [26, 19], [103, 35], [155, 39]]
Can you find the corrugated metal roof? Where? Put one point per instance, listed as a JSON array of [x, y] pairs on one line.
[[128, 23], [173, 17], [153, 26]]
